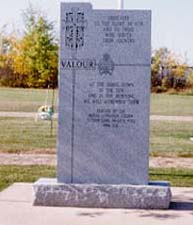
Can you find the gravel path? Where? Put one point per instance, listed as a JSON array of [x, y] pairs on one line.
[[21, 114], [152, 117], [172, 118], [162, 162], [27, 159], [46, 159]]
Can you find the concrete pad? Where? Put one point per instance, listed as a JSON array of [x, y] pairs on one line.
[[16, 208]]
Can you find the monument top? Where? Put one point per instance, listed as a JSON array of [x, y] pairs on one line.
[[104, 91]]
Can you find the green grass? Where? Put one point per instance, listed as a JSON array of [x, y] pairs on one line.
[[171, 138], [177, 177], [11, 174], [173, 105], [24, 100], [24, 134], [29, 100]]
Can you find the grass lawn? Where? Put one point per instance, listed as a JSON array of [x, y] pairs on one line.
[[171, 138], [24, 134], [24, 100], [176, 177], [172, 105], [29, 100], [10, 174]]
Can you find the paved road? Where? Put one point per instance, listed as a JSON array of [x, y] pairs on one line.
[[152, 117]]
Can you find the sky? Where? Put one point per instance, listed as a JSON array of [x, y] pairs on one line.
[[172, 20]]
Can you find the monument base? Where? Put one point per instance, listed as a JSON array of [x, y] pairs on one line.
[[48, 192]]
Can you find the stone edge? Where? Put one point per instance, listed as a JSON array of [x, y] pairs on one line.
[[156, 195]]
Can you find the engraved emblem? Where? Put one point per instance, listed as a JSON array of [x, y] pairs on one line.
[[106, 65], [75, 25]]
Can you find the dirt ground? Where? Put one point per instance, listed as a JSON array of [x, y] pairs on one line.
[[48, 159]]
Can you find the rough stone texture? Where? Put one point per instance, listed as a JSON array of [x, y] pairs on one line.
[[104, 95], [50, 193]]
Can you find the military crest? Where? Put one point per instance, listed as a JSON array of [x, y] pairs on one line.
[[74, 29], [106, 65]]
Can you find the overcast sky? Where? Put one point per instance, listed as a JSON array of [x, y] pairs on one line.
[[172, 20]]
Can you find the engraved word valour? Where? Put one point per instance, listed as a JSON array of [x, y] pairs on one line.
[[87, 64]]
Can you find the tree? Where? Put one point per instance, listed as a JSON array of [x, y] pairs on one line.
[[37, 51], [6, 60], [168, 71]]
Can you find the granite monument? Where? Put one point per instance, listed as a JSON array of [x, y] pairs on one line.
[[104, 101]]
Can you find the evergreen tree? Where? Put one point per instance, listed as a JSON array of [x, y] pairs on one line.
[[37, 56]]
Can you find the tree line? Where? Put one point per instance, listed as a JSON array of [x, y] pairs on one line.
[[31, 59], [169, 72]]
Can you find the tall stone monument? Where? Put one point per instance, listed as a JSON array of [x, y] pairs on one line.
[[104, 92]]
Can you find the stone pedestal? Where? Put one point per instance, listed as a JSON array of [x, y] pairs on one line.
[[156, 195]]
